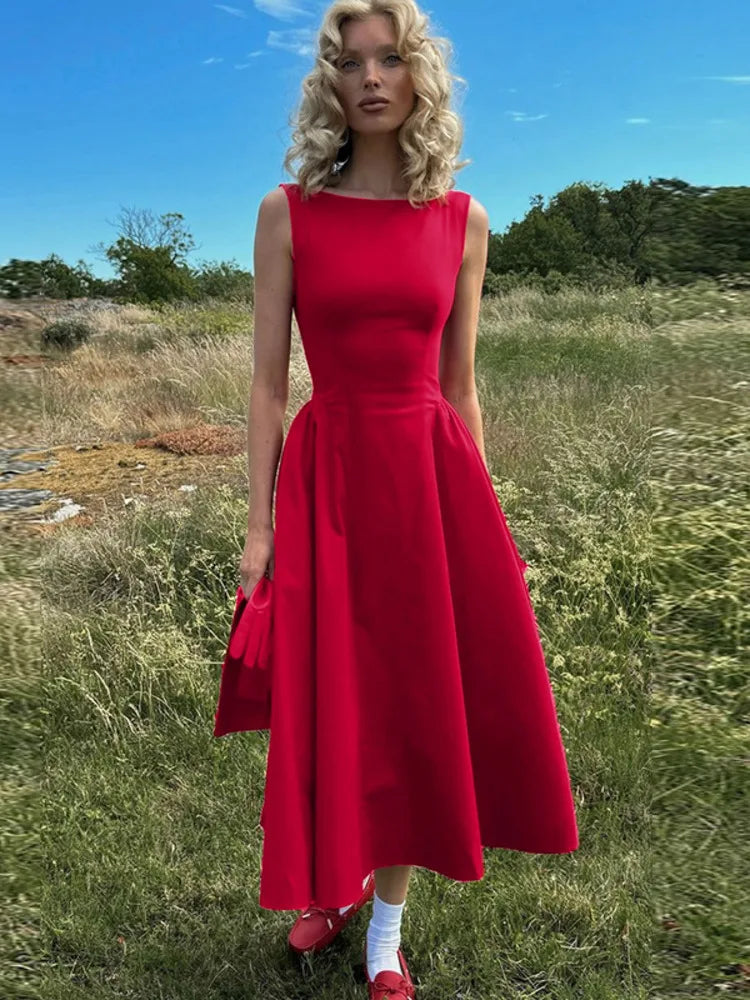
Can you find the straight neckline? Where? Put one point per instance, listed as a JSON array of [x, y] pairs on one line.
[[375, 201], [352, 197]]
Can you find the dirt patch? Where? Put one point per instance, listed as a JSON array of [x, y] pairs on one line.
[[25, 359], [88, 481], [201, 439]]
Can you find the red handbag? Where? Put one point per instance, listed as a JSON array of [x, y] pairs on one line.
[[245, 686]]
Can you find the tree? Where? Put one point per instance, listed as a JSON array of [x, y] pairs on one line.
[[633, 212], [51, 278], [149, 256], [224, 279], [540, 243], [667, 229]]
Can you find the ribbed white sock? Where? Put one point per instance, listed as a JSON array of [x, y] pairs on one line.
[[384, 936]]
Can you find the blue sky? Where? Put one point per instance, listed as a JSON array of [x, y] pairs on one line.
[[183, 105]]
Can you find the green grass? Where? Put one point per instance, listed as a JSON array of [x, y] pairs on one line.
[[699, 707], [616, 449]]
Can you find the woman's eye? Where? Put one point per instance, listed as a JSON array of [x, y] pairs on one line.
[[347, 62]]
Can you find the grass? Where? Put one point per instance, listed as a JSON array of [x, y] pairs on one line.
[[700, 701], [616, 427]]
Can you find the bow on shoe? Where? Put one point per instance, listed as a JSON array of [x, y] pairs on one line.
[[327, 912], [383, 988]]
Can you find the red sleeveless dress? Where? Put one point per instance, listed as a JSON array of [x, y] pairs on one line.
[[412, 718]]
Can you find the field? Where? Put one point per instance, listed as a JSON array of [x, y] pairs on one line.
[[617, 433]]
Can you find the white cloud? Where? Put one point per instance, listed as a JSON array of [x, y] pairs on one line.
[[730, 79], [234, 11], [301, 41], [254, 53], [284, 10], [213, 59], [638, 121], [247, 65], [522, 116]]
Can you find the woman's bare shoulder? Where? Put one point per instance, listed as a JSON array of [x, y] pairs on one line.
[[274, 201], [478, 218], [273, 230]]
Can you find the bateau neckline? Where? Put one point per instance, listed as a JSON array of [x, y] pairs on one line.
[[375, 201], [378, 201], [354, 197]]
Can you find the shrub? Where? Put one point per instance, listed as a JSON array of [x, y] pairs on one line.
[[501, 284], [66, 334]]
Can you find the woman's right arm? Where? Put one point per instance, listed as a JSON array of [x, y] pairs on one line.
[[272, 314]]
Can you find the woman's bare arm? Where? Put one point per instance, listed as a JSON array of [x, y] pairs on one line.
[[457, 348], [269, 389]]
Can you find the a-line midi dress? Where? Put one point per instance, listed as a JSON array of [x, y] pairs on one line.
[[412, 718]]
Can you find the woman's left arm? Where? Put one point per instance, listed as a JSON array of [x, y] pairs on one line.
[[457, 348]]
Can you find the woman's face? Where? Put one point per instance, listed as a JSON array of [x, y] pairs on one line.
[[370, 66]]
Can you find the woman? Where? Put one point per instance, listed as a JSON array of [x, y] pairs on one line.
[[412, 720]]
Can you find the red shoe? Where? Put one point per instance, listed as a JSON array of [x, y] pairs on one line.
[[316, 926], [390, 985]]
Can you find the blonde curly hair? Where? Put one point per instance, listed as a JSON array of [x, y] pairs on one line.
[[429, 138]]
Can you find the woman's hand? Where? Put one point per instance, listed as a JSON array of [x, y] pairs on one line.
[[257, 558]]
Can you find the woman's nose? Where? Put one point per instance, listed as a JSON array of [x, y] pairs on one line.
[[372, 71]]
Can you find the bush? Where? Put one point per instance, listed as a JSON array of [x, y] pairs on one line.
[[224, 280], [66, 334], [502, 284]]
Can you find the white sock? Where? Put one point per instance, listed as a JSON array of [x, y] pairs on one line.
[[343, 909], [384, 936]]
